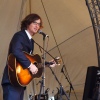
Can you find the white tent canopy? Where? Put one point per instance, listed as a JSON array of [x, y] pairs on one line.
[[71, 36]]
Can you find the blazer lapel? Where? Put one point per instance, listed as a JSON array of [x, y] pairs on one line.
[[30, 42]]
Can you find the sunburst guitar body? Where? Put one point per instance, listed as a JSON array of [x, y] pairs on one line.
[[18, 75]]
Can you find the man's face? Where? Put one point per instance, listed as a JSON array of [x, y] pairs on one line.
[[34, 27]]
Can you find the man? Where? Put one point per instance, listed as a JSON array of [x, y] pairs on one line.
[[21, 41]]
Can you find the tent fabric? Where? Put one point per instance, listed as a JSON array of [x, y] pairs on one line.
[[71, 36]]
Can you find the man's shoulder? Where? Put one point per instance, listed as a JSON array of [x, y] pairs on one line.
[[19, 35], [20, 32]]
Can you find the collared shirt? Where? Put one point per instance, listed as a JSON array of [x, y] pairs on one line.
[[28, 34]]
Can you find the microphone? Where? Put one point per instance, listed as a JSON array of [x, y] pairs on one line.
[[45, 35]]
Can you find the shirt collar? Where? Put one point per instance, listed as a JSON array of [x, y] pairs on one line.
[[28, 34]]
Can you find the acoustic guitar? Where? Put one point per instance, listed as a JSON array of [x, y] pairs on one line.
[[18, 75]]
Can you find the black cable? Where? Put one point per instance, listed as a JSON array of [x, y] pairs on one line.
[[54, 37], [55, 41], [70, 38]]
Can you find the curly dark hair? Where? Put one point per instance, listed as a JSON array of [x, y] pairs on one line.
[[29, 19]]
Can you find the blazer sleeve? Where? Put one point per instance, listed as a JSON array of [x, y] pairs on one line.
[[16, 47]]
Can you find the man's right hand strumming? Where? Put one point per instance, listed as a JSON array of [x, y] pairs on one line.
[[33, 69]]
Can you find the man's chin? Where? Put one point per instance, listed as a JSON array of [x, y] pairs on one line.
[[34, 33]]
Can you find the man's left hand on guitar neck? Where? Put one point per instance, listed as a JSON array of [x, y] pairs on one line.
[[51, 63]]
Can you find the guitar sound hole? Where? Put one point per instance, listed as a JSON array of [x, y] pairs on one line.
[[35, 63]]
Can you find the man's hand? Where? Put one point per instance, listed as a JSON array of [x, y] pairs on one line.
[[33, 69], [53, 63]]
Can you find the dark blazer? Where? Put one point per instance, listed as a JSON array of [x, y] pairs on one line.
[[19, 43]]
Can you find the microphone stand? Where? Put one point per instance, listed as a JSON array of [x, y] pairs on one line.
[[71, 87], [61, 87], [43, 75], [42, 83]]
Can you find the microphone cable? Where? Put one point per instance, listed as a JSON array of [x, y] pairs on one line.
[[58, 47]]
